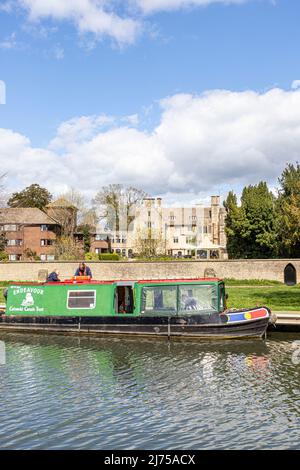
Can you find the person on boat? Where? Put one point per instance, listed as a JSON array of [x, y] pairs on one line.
[[189, 303], [53, 277], [83, 270]]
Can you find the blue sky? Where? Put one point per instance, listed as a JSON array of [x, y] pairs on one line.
[[58, 70]]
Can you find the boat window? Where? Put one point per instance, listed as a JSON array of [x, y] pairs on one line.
[[81, 299], [222, 297], [162, 299], [198, 298]]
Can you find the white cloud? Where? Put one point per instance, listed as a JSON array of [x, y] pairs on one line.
[[203, 143], [295, 84], [78, 130], [89, 16], [59, 52], [102, 18], [150, 6], [9, 42]]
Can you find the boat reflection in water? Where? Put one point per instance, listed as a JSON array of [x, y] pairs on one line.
[[134, 393]]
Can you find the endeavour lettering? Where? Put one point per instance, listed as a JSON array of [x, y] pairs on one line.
[[29, 290]]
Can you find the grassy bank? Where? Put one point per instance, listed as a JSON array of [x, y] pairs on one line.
[[3, 284], [251, 282], [279, 297]]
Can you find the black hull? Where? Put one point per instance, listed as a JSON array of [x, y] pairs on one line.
[[175, 328]]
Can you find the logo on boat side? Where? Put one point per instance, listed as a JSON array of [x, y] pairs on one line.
[[28, 301]]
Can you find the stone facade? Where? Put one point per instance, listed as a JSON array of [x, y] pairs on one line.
[[237, 269], [197, 231]]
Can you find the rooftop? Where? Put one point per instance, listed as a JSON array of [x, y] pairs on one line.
[[25, 216]]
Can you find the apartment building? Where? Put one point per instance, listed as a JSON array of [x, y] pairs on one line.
[[28, 231], [197, 231]]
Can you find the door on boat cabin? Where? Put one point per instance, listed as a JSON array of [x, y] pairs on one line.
[[123, 297]]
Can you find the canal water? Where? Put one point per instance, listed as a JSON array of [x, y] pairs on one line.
[[106, 393]]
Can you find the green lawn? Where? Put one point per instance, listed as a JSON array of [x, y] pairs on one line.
[[280, 297], [3, 284]]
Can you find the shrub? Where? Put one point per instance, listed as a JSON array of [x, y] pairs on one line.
[[3, 256], [90, 256], [109, 257]]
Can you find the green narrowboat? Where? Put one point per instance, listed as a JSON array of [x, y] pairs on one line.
[[182, 308]]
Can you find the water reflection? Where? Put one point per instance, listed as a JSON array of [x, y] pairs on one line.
[[106, 393]]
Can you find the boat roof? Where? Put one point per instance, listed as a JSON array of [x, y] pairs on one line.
[[116, 281]]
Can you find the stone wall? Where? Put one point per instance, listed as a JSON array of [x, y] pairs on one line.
[[238, 269]]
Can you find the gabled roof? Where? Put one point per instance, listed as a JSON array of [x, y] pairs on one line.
[[25, 216]]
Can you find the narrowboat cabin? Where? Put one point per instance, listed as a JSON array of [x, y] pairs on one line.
[[182, 308]]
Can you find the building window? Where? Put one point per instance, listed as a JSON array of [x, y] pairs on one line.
[[172, 217], [46, 242], [101, 237], [202, 254], [175, 240], [15, 257], [10, 228], [82, 299], [50, 257], [43, 257], [44, 228], [17, 242]]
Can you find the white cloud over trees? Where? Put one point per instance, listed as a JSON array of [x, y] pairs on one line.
[[202, 142]]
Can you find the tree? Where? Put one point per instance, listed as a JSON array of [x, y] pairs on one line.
[[117, 204], [3, 241], [149, 243], [288, 206], [85, 215], [251, 228], [32, 196], [86, 236], [67, 249], [233, 220], [2, 193]]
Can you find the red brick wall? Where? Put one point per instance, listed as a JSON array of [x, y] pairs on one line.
[[31, 237]]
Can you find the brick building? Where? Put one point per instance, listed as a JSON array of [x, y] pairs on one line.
[[28, 231]]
